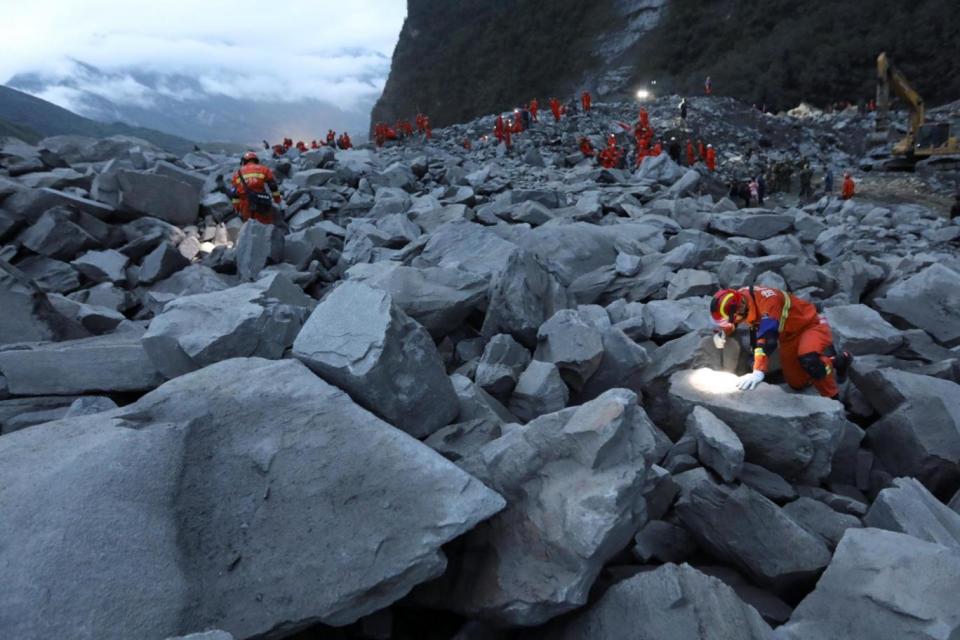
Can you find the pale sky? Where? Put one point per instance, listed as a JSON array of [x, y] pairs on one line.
[[281, 49]]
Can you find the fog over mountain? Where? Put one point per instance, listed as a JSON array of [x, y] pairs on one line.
[[200, 72]]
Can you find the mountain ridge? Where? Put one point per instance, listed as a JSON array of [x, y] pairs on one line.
[[39, 117]]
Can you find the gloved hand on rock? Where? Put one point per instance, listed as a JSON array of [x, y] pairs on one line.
[[750, 381]]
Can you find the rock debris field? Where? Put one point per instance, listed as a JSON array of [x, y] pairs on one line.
[[466, 394]]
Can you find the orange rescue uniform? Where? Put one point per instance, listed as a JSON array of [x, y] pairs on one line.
[[778, 319], [257, 178]]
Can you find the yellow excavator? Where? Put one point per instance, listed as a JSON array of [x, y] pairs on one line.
[[936, 141]]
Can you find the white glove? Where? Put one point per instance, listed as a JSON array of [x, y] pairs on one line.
[[750, 381], [719, 340]]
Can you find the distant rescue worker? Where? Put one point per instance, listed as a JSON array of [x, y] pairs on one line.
[[427, 130], [498, 128], [555, 109], [673, 150], [344, 141], [586, 100], [644, 118], [517, 123], [314, 144], [279, 150], [701, 150], [611, 155], [683, 109], [711, 158], [708, 86], [301, 146], [778, 319], [534, 108], [248, 190], [849, 186], [507, 135], [691, 157], [806, 180], [586, 148], [331, 137], [266, 145]]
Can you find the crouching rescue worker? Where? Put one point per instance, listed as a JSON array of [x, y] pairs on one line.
[[778, 319], [249, 190]]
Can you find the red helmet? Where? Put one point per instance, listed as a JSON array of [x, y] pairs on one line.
[[724, 305], [249, 156]]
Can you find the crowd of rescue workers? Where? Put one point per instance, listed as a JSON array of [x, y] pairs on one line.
[[776, 320]]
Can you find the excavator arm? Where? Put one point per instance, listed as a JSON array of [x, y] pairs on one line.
[[890, 78]]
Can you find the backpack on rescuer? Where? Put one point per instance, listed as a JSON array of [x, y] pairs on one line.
[[260, 201]]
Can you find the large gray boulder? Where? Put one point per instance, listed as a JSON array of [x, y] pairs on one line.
[[740, 526], [584, 468], [540, 390], [161, 263], [860, 330], [718, 447], [621, 366], [883, 586], [257, 246], [501, 364], [52, 276], [927, 300], [794, 435], [110, 363], [571, 343], [55, 235], [28, 315], [103, 266], [671, 603], [522, 296], [180, 506], [465, 245], [820, 520], [359, 340], [158, 196], [907, 507], [757, 226], [918, 434], [439, 298], [258, 319]]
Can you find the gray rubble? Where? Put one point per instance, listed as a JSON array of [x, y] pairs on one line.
[[539, 320]]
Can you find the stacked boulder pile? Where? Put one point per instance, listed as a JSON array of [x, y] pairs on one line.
[[461, 394]]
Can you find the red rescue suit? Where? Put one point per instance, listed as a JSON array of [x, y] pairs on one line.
[[778, 319], [256, 178]]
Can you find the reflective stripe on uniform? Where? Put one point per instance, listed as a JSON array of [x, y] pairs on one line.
[[786, 310], [254, 176]]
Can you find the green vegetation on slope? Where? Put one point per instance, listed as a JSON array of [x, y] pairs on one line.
[[782, 52], [458, 60], [455, 60], [26, 134], [27, 112]]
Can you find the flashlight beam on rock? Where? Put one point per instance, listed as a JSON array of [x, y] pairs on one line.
[[713, 382]]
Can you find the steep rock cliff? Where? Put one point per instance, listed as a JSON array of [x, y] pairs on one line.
[[456, 60]]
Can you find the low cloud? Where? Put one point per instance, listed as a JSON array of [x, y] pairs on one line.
[[282, 51]]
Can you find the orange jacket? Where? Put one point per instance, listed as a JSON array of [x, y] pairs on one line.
[[849, 188], [711, 158], [257, 178], [586, 100], [775, 316]]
